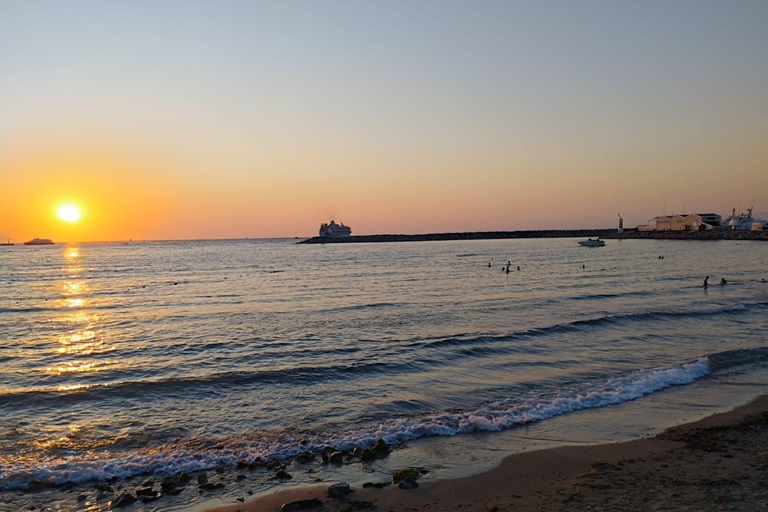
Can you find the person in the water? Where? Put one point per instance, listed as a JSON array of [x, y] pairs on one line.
[[705, 281]]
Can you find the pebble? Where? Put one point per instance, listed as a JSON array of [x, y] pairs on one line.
[[339, 489]]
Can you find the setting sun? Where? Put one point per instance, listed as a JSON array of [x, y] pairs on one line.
[[69, 213]]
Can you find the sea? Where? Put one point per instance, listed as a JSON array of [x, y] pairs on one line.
[[123, 362]]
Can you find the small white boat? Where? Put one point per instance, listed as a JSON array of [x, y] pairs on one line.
[[592, 242], [39, 241]]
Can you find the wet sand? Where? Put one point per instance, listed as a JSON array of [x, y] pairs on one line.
[[718, 463]]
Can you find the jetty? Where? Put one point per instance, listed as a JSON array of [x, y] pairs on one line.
[[608, 234], [472, 235]]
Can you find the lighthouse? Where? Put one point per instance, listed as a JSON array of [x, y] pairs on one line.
[[621, 224]]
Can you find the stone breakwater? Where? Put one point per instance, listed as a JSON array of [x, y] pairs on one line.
[[473, 235], [688, 235], [548, 233]]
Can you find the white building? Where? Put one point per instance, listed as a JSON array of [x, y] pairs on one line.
[[685, 222]]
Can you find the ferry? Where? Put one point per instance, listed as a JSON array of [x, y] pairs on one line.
[[334, 230], [592, 242], [744, 222], [39, 241]]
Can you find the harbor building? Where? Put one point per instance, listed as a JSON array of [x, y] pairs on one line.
[[685, 222]]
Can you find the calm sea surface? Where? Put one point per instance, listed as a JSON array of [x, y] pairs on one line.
[[123, 359]]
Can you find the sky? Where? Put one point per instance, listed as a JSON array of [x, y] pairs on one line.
[[254, 119]]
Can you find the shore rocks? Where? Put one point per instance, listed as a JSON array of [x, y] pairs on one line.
[[340, 489], [123, 500], [206, 485], [305, 457], [174, 483], [377, 485], [283, 474], [326, 453], [145, 492], [102, 487], [336, 458], [37, 485], [256, 463], [412, 473], [408, 483], [379, 450], [302, 505]]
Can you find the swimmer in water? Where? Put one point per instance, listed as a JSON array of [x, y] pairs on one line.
[[705, 281]]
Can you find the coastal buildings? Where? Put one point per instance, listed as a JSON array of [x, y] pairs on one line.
[[705, 222], [684, 222]]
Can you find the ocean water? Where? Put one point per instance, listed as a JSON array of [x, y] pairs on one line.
[[122, 360]]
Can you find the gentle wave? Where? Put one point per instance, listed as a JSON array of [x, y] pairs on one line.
[[493, 417], [470, 346], [297, 376], [578, 325]]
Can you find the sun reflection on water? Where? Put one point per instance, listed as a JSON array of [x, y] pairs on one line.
[[81, 342]]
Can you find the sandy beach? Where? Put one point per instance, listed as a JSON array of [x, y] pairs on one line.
[[718, 463]]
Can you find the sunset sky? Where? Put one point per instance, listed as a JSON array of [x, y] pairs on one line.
[[219, 119]]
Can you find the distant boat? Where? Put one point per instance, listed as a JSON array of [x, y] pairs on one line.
[[6, 244], [39, 241], [592, 242], [334, 230]]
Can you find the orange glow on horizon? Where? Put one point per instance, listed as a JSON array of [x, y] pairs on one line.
[[124, 197]]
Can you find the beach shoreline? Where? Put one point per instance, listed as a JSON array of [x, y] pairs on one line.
[[716, 463]]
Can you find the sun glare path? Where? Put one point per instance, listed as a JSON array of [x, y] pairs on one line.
[[69, 213]]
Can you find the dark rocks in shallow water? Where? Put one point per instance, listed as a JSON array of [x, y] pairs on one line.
[[241, 477], [381, 446], [173, 484], [82, 497], [336, 458], [327, 452], [379, 450], [305, 457], [156, 495], [357, 451], [404, 473], [257, 463], [283, 474], [37, 485], [123, 500], [144, 491], [202, 479], [408, 483], [302, 505], [240, 499], [102, 487], [241, 464], [339, 489], [210, 486]]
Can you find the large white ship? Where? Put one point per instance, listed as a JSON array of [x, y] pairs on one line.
[[334, 230], [744, 222]]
